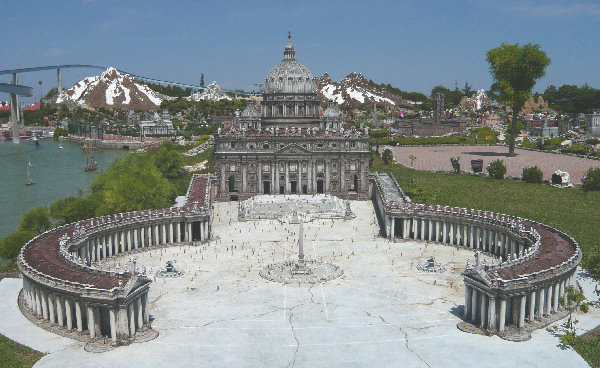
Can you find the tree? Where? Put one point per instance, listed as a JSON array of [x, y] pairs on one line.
[[169, 162], [35, 220], [387, 156], [72, 209], [515, 70], [11, 245], [131, 184]]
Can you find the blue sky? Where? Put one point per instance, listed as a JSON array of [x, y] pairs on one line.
[[414, 45]]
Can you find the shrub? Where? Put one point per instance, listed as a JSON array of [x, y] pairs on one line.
[[584, 307], [387, 156], [11, 245], [379, 133], [496, 169], [568, 338], [577, 149], [591, 180], [455, 164], [532, 175]]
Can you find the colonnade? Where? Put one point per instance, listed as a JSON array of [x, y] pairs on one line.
[[493, 312], [499, 241], [117, 320], [117, 240]]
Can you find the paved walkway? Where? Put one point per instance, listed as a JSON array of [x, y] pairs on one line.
[[383, 312], [436, 158]]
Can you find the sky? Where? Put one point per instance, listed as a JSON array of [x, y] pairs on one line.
[[413, 45]]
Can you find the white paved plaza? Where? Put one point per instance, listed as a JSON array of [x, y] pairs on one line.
[[382, 312]]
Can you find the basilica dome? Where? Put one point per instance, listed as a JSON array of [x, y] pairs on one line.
[[289, 76]]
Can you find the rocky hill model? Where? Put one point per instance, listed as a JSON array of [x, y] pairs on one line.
[[354, 89], [111, 90], [212, 92]]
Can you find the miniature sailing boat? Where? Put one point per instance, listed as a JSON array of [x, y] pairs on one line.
[[90, 164], [29, 179], [60, 146]]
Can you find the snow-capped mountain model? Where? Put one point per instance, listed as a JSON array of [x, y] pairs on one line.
[[475, 103], [212, 92], [111, 90], [354, 89]]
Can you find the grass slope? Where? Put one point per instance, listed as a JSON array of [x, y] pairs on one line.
[[15, 355]]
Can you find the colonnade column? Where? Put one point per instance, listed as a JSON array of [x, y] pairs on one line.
[[78, 317], [59, 311], [532, 305], [69, 313]]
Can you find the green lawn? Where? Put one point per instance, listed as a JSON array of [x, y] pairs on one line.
[[15, 355], [570, 210], [589, 348]]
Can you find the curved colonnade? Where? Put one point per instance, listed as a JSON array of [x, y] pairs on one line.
[[66, 283], [536, 262]]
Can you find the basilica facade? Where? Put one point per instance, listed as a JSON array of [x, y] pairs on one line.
[[286, 146]]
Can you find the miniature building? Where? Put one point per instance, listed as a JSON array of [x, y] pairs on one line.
[[592, 123], [285, 146]]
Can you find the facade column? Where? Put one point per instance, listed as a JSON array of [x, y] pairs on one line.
[[467, 309], [474, 297], [164, 233], [113, 324], [145, 307], [491, 324], [422, 237], [189, 232], [502, 317], [78, 317], [122, 324], [131, 319], [69, 313], [140, 312], [483, 311], [90, 321], [392, 227], [522, 301], [171, 240]]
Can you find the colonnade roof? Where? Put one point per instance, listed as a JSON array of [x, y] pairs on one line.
[[45, 257], [554, 250]]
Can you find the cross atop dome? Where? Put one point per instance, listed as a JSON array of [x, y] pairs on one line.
[[289, 53]]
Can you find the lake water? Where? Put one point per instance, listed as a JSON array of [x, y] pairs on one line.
[[57, 173]]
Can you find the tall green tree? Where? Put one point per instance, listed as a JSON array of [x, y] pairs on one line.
[[515, 70], [36, 220], [131, 184]]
